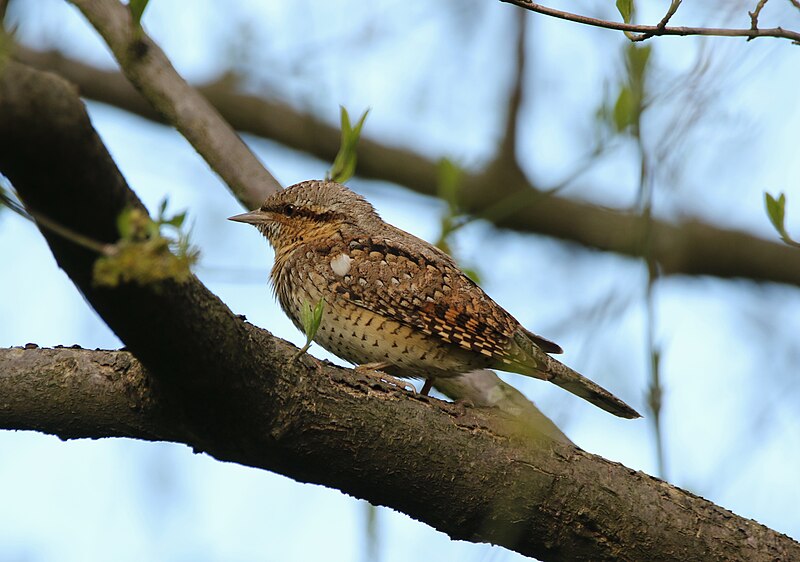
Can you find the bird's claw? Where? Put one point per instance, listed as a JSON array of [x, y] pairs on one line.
[[374, 370]]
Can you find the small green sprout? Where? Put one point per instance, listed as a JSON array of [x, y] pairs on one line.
[[143, 254], [449, 180], [776, 211], [625, 8], [630, 102], [311, 319], [344, 165]]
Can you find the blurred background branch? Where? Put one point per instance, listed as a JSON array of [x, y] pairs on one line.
[[690, 247], [448, 84]]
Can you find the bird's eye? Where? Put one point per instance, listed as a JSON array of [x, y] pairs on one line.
[[289, 210]]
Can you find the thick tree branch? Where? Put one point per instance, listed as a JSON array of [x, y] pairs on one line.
[[483, 473], [688, 248], [484, 389], [147, 68], [76, 393], [228, 388], [648, 31]]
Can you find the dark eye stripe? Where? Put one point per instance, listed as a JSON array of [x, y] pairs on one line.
[[289, 210]]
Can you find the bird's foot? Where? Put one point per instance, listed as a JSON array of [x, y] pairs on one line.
[[426, 388], [374, 370]]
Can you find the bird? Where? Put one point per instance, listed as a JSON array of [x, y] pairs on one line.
[[393, 302]]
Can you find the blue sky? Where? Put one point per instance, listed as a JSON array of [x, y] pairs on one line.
[[433, 81]]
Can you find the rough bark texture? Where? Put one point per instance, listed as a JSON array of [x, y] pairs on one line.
[[225, 387], [75, 393], [691, 247], [466, 472]]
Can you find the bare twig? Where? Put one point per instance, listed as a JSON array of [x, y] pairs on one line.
[[148, 68], [673, 7], [754, 15], [647, 31]]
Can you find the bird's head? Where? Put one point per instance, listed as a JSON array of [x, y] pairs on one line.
[[309, 210]]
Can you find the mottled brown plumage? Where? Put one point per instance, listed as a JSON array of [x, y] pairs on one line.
[[392, 299]]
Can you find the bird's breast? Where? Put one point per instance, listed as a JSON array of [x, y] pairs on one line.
[[355, 333]]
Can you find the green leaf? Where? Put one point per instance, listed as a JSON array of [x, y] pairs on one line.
[[448, 181], [625, 8], [310, 318], [125, 224], [776, 211], [638, 57], [344, 165], [149, 227], [629, 105], [177, 220], [624, 109], [316, 319], [162, 208], [142, 254], [137, 8]]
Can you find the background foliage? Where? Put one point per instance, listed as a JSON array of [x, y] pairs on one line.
[[679, 127]]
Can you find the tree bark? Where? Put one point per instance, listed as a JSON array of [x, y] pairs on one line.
[[467, 472], [225, 387], [690, 247], [75, 393]]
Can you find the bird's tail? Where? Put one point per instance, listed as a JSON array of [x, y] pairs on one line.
[[547, 368], [577, 384]]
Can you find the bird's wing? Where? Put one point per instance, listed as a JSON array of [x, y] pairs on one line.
[[419, 286]]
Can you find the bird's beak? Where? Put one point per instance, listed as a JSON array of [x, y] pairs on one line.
[[253, 217]]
